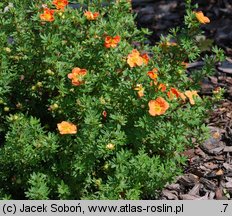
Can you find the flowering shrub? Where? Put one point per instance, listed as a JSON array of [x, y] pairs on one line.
[[85, 114]]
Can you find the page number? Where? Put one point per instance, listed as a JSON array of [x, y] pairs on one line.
[[225, 206]]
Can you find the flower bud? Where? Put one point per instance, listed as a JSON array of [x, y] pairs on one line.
[[54, 107], [7, 49], [33, 88], [50, 72], [39, 84], [98, 182], [110, 146], [6, 109]]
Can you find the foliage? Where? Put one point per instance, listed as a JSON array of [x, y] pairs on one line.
[[88, 111]]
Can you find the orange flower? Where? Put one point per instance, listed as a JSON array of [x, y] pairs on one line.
[[153, 74], [47, 15], [111, 41], [67, 128], [158, 106], [162, 87], [191, 95], [140, 89], [182, 96], [173, 93], [134, 58], [60, 4], [145, 58], [91, 16], [77, 76], [201, 18]]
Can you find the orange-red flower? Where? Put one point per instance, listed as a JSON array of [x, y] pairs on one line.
[[77, 76], [67, 128], [60, 4], [140, 89], [153, 74], [201, 17], [175, 93], [191, 95], [145, 58], [91, 16], [162, 87], [158, 106], [111, 41], [134, 58], [48, 15]]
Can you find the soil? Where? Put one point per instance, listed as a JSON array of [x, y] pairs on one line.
[[208, 174]]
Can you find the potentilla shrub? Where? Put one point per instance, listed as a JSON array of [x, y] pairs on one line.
[[88, 111]]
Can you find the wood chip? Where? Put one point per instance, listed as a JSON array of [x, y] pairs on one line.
[[195, 190], [188, 197], [228, 149], [228, 167], [205, 197], [169, 194], [211, 165], [219, 172], [211, 195], [213, 146], [199, 152], [218, 193], [226, 67], [175, 187], [228, 186], [188, 180], [208, 184]]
